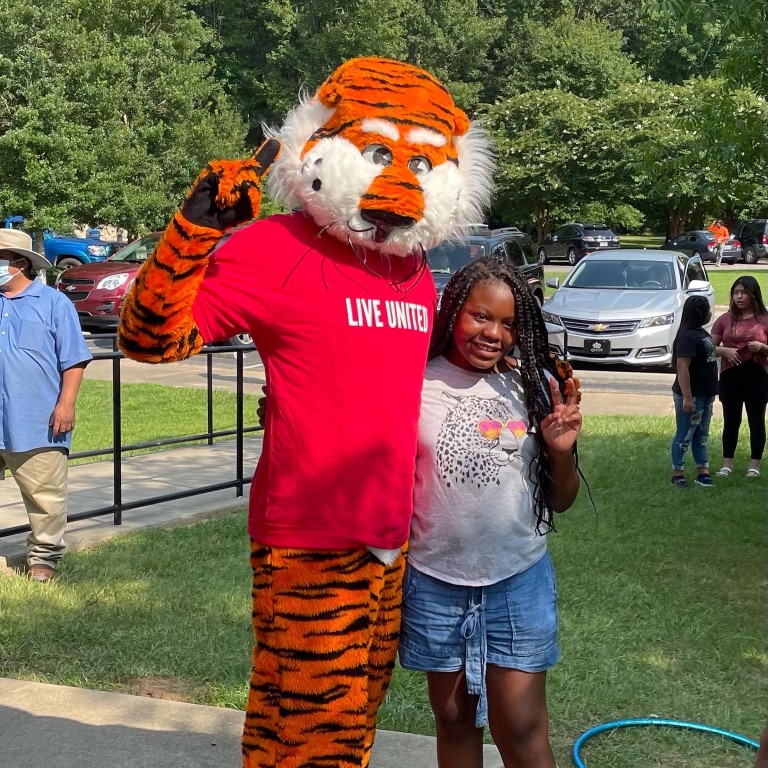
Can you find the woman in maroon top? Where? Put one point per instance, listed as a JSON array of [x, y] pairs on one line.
[[743, 375]]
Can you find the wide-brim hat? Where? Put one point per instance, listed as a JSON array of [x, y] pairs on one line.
[[20, 242]]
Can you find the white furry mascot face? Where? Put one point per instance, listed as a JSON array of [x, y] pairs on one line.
[[381, 157]]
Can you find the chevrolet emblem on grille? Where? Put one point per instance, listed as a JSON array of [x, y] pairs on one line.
[[71, 288], [598, 327]]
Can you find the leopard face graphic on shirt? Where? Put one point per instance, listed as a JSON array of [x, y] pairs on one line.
[[478, 439]]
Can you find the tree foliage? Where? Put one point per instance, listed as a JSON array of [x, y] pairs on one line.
[[581, 55], [109, 110], [618, 109], [271, 51]]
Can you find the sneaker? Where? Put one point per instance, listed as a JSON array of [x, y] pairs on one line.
[[705, 481], [679, 481]]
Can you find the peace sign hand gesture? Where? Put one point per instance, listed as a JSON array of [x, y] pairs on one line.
[[561, 428]]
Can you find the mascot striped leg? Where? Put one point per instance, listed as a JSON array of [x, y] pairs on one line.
[[326, 626]]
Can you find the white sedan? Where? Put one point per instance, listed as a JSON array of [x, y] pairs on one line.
[[624, 306]]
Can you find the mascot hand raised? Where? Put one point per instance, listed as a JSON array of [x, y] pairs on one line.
[[156, 324], [227, 192]]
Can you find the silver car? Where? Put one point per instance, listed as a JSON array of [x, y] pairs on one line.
[[623, 306]]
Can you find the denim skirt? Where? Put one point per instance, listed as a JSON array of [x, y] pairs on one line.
[[512, 624]]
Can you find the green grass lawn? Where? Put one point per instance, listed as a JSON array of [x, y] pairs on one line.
[[662, 609], [642, 241], [150, 412]]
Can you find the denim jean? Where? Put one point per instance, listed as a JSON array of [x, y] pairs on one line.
[[692, 431]]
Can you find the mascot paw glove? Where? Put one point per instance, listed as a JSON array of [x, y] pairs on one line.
[[227, 192]]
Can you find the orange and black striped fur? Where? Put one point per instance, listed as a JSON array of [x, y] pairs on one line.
[[156, 323], [326, 625]]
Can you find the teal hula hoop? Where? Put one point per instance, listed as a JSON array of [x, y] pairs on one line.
[[598, 729]]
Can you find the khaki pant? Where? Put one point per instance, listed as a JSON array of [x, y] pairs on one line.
[[41, 475]]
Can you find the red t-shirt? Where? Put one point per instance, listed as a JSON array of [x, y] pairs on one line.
[[739, 334], [344, 339]]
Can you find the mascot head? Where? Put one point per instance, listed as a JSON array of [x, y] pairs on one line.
[[381, 157]]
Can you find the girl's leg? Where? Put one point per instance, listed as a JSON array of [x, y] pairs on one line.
[[682, 439], [517, 714], [459, 741], [732, 408], [700, 439], [755, 407]]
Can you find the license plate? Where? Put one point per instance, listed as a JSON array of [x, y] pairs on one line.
[[603, 245], [600, 347]]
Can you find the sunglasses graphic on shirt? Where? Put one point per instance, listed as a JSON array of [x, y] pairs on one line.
[[490, 429]]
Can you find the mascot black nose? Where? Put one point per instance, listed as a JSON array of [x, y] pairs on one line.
[[385, 219]]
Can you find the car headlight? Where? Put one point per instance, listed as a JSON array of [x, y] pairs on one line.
[[98, 250], [655, 322], [113, 281], [550, 318]]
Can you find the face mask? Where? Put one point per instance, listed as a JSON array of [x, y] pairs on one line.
[[5, 275]]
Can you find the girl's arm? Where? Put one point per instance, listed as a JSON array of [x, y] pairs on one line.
[[560, 430], [729, 353], [684, 380]]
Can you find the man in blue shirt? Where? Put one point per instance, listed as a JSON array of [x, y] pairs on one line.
[[42, 359]]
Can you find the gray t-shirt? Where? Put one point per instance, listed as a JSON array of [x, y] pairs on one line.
[[473, 521]]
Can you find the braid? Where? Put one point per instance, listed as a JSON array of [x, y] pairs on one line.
[[534, 357]]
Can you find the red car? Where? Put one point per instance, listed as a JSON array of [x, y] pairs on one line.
[[97, 290]]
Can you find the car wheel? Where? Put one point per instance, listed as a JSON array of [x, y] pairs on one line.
[[750, 256], [68, 261], [241, 340], [571, 256], [542, 256]]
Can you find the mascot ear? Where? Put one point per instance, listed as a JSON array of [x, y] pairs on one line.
[[461, 124], [329, 93]]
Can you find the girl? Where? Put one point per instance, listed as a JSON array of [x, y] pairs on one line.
[[495, 458], [743, 334], [694, 390]]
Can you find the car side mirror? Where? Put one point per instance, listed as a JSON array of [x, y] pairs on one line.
[[553, 282], [553, 238], [698, 286]]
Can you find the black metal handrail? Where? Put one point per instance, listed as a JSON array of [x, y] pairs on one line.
[[117, 450]]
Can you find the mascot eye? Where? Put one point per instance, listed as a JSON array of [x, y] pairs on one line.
[[419, 165], [377, 154]]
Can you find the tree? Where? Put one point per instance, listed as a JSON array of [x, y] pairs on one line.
[[742, 26], [271, 51], [109, 110], [547, 156], [579, 55], [692, 147]]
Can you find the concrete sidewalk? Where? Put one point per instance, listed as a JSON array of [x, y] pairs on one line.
[[77, 728]]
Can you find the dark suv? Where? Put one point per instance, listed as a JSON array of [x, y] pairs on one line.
[[573, 242], [753, 236], [508, 243]]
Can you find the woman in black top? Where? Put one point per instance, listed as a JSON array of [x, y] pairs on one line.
[[694, 390]]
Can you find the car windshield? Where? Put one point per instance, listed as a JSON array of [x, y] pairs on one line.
[[635, 274], [448, 258], [138, 250]]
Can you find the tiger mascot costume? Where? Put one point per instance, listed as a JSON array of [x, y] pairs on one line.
[[378, 166]]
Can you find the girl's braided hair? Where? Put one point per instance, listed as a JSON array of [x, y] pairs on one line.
[[534, 358]]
